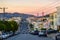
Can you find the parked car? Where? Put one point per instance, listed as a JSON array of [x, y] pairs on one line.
[[5, 35], [34, 32], [49, 31], [57, 37], [42, 33], [9, 33]]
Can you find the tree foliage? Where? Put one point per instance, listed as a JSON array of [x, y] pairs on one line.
[[8, 26], [31, 26]]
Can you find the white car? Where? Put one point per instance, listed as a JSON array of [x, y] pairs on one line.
[[35, 32], [42, 33], [3, 36]]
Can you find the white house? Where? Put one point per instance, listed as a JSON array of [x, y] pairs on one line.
[[17, 19], [58, 15]]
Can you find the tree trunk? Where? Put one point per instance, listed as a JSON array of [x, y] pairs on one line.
[[13, 32]]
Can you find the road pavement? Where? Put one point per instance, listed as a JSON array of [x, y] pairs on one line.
[[24, 27], [24, 34], [28, 37]]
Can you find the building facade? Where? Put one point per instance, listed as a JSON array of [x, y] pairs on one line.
[[58, 15], [58, 18]]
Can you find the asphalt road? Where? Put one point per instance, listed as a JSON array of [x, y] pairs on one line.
[[24, 27], [24, 34], [28, 37]]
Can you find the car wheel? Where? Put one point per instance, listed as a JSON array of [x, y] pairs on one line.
[[56, 38], [45, 35], [39, 35]]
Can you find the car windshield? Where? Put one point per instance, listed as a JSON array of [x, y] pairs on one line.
[[43, 31], [3, 33], [50, 29], [58, 34]]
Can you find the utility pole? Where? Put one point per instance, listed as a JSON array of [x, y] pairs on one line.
[[3, 12], [37, 14], [42, 13]]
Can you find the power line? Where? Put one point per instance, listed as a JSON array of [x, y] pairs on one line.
[[54, 6], [50, 5]]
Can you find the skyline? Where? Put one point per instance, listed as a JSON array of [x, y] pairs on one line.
[[30, 6]]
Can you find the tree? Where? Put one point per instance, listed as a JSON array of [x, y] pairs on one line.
[[5, 26], [8, 26], [14, 26], [2, 26], [31, 26]]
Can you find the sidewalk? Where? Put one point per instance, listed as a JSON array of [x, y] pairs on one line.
[[52, 35]]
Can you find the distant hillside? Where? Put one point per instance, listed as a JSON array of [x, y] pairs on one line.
[[9, 15]]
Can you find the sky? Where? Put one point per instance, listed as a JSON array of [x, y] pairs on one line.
[[30, 6]]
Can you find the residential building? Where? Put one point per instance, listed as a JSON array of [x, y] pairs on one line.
[[17, 19], [53, 20], [58, 17]]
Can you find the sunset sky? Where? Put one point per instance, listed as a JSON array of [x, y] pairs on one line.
[[30, 6]]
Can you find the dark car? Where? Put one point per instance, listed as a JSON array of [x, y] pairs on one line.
[[49, 31], [57, 36], [42, 33], [34, 32]]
